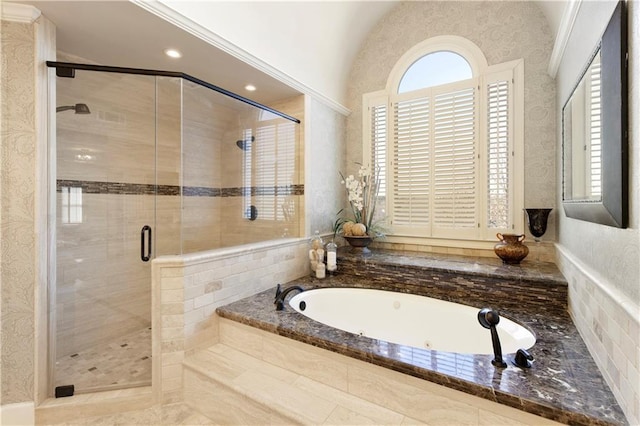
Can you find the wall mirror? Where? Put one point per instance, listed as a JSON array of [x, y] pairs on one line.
[[594, 133]]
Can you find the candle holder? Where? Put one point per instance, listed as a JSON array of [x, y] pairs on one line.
[[537, 223]]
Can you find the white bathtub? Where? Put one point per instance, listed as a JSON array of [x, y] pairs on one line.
[[409, 319]]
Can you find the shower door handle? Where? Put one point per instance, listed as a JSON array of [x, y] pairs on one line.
[[145, 230]]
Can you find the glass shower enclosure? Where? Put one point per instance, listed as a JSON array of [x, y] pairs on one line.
[[149, 164]]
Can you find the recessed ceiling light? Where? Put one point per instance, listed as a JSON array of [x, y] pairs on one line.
[[250, 87], [173, 53]]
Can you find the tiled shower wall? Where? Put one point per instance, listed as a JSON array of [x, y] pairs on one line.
[[231, 227], [103, 288]]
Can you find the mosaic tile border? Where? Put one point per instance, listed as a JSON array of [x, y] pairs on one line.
[[122, 188], [202, 191]]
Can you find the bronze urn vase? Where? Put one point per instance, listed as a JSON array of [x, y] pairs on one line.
[[510, 248]]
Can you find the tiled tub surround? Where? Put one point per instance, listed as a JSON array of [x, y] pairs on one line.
[[610, 325], [187, 289], [564, 383]]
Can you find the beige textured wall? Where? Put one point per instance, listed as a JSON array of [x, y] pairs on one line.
[[326, 153], [504, 31], [602, 263], [17, 218]]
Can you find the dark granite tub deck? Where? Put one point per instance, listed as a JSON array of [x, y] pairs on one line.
[[564, 383]]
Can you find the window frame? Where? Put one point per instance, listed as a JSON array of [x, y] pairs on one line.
[[483, 75], [414, 64]]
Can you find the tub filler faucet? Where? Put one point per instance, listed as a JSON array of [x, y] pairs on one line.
[[488, 318], [522, 359], [281, 294]]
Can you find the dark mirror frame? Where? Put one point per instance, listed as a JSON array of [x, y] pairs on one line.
[[613, 209]]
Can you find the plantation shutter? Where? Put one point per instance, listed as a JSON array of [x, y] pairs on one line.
[[594, 172], [454, 162], [435, 162], [378, 132], [247, 174], [411, 163], [285, 168], [499, 95], [452, 155], [265, 171], [275, 167]]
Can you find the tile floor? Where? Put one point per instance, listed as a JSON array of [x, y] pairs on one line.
[[169, 415], [124, 362]]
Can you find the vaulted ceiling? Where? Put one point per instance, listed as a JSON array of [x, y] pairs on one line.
[[121, 33]]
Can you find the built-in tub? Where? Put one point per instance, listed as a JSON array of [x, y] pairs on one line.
[[408, 319], [563, 384]]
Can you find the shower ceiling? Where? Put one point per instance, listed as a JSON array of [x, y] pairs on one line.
[[119, 33]]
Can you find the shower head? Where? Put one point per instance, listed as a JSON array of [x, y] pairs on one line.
[[82, 109], [78, 108], [245, 144]]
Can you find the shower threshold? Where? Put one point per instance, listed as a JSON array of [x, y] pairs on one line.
[[122, 363]]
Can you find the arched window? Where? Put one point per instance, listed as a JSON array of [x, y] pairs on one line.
[[435, 69], [447, 135]]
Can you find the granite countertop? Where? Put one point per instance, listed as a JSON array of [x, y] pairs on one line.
[[564, 383], [490, 267]]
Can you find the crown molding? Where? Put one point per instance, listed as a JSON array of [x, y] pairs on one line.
[[170, 15], [564, 32], [16, 12]]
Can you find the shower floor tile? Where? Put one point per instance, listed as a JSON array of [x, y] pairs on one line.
[[122, 363]]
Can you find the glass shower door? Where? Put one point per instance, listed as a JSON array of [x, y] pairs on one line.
[[106, 203]]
